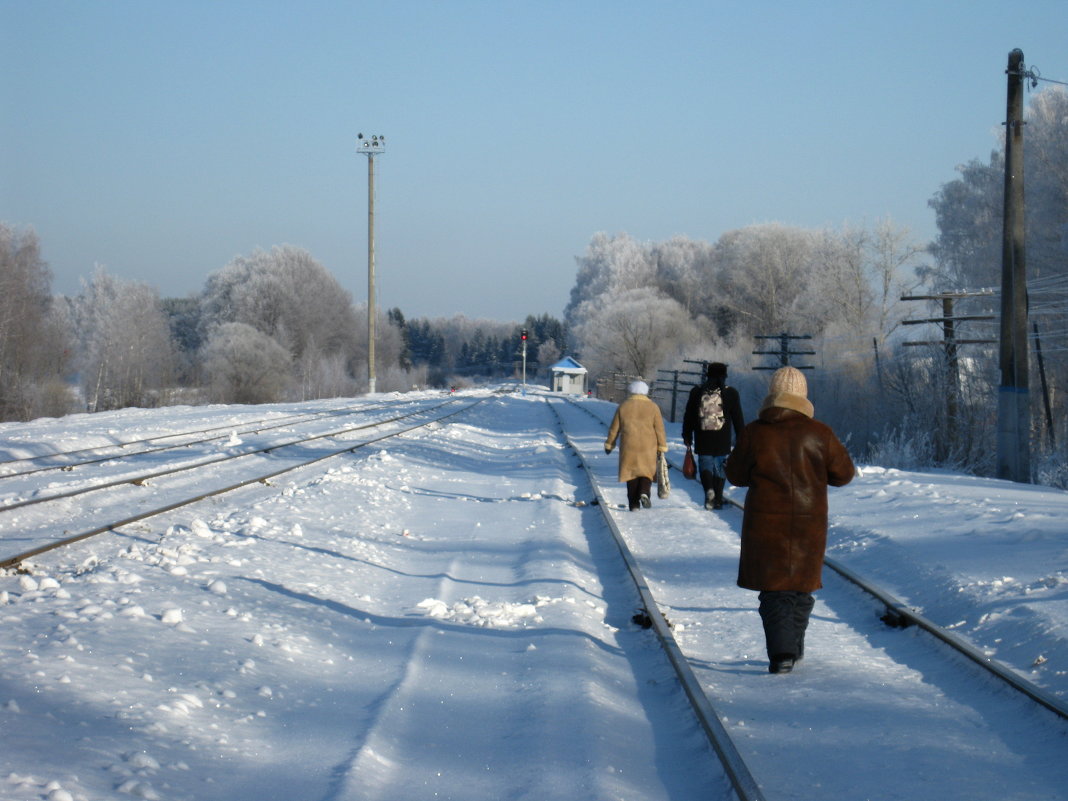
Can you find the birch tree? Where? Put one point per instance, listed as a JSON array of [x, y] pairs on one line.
[[127, 354], [766, 275]]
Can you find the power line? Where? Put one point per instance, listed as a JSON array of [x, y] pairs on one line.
[[1036, 76]]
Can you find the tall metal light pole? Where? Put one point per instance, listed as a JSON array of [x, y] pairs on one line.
[[370, 148]]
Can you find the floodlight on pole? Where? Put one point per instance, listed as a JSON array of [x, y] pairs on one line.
[[370, 147]]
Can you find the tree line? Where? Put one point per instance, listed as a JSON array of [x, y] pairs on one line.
[[275, 324], [903, 396], [271, 326]]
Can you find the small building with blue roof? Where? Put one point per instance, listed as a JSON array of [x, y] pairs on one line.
[[569, 376]]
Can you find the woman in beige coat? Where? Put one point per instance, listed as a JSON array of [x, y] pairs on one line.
[[639, 428]]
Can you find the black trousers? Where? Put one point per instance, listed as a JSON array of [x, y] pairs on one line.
[[710, 481], [636, 488], [785, 616]]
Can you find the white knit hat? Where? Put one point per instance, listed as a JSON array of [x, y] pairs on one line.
[[789, 380], [638, 388]]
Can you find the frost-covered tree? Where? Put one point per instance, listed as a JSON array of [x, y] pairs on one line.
[[34, 349], [292, 299], [969, 210], [127, 354], [426, 344], [632, 331], [684, 269], [285, 294], [767, 276], [860, 277], [1046, 183], [245, 365], [611, 264]]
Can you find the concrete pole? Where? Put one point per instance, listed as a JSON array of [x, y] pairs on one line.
[[370, 272], [1014, 394]]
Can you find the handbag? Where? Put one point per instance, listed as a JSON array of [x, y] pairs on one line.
[[663, 480], [689, 467]]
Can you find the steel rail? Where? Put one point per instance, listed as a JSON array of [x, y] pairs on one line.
[[119, 446], [13, 561], [119, 453], [898, 614], [142, 479], [745, 786]]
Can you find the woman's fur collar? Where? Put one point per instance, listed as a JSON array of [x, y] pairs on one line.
[[785, 400]]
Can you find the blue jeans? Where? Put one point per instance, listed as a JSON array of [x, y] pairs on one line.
[[712, 464]]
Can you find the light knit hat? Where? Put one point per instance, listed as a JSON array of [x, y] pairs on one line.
[[638, 388], [789, 380], [788, 390]]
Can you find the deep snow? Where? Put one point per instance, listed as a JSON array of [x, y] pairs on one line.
[[439, 616]]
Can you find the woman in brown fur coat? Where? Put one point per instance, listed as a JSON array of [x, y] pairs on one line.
[[639, 428], [786, 459]]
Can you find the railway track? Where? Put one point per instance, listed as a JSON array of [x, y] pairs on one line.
[[741, 778], [521, 486], [679, 560], [897, 614], [841, 583], [49, 530], [70, 459]]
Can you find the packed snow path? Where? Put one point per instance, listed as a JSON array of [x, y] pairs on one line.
[[436, 619], [872, 712], [443, 618]]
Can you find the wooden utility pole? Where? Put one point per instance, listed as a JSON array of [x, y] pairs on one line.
[[784, 353], [675, 386], [1014, 394], [1045, 389], [950, 343]]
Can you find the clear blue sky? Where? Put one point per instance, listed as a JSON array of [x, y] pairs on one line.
[[161, 139]]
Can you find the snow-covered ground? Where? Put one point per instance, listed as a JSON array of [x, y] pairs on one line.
[[441, 616]]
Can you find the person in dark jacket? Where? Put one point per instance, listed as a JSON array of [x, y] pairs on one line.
[[713, 411], [787, 460]]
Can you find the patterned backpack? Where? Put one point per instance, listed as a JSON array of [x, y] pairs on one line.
[[711, 412]]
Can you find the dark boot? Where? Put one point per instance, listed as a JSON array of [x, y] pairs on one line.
[[645, 486], [781, 663], [717, 490], [707, 481]]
